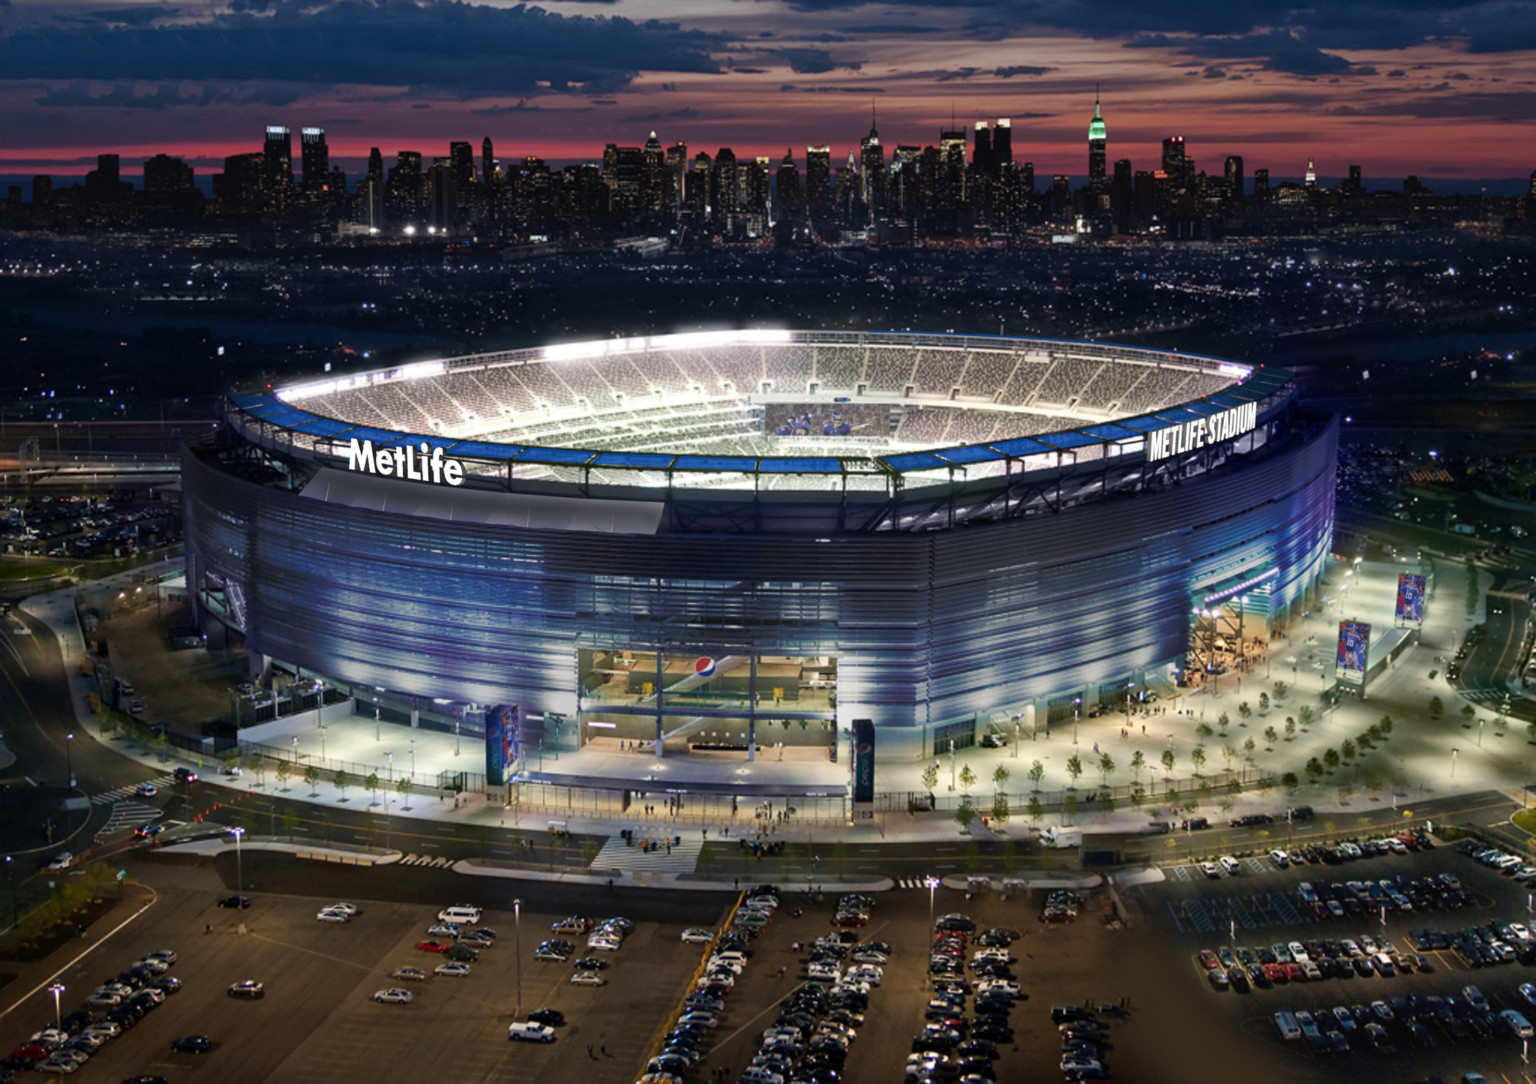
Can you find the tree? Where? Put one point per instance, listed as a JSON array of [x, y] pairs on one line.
[[283, 771], [257, 763], [1168, 760], [1000, 810], [1074, 767], [1314, 767], [1372, 782], [290, 822], [1281, 691], [1468, 712], [1000, 776], [967, 778], [1035, 809], [1386, 725], [109, 724], [341, 782], [1245, 711], [1138, 795], [1197, 758], [1263, 702], [1106, 768], [403, 787], [312, 777], [1345, 790], [230, 759], [1229, 753], [160, 743], [1174, 799], [1271, 735], [930, 777], [371, 785], [1289, 781], [1105, 801], [1331, 758], [1204, 731], [1305, 715], [1436, 707], [1249, 745], [1138, 762], [1290, 727], [1069, 806], [1347, 750], [966, 813], [1036, 773]]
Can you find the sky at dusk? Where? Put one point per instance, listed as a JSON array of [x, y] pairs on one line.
[[1441, 89]]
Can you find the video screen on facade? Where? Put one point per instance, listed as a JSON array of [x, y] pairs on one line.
[[827, 420], [502, 747], [1410, 601], [1354, 645]]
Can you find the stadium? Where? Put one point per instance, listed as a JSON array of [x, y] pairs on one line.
[[719, 546]]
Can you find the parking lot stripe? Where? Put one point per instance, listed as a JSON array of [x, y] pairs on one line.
[[96, 945]]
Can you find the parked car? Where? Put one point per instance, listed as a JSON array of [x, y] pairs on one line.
[[248, 988], [393, 996]]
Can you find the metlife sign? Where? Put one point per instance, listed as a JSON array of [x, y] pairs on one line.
[[1178, 439], [426, 464]]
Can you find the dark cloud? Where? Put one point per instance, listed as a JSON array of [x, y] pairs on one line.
[[832, 90], [813, 61], [79, 94], [869, 29], [1214, 73], [457, 48], [1517, 107], [750, 71], [1020, 69], [656, 115], [1274, 50], [131, 16], [605, 101], [249, 5], [1396, 73]]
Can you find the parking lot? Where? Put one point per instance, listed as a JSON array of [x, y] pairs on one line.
[[317, 1021], [1249, 912]]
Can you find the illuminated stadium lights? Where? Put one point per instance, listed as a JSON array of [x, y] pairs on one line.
[[688, 341], [418, 370], [1238, 589]]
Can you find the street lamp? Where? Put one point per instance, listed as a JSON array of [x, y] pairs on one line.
[[1077, 709], [238, 832], [931, 883], [322, 742], [1453, 762], [10, 875], [69, 760], [517, 945], [413, 761], [390, 756], [58, 1017]]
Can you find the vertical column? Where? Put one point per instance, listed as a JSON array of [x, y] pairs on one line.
[[752, 706], [660, 750]]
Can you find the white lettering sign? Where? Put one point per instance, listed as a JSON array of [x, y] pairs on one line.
[[1178, 439], [423, 464]]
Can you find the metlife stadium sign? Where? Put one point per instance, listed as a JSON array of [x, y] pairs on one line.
[[1178, 439], [428, 464]]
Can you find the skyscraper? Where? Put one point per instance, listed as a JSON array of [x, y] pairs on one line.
[[1311, 179], [461, 158], [981, 153], [677, 174], [316, 157], [951, 187], [1234, 174], [277, 151], [488, 171], [788, 202], [1176, 164], [872, 168], [1261, 186], [818, 177], [1002, 142], [1098, 146], [162, 173]]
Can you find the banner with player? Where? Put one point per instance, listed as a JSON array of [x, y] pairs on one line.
[[1354, 646], [1410, 601]]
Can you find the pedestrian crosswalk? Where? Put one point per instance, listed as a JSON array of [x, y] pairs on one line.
[[619, 854], [425, 860], [130, 815], [129, 790]]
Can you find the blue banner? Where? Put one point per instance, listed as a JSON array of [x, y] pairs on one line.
[[1410, 601], [863, 760]]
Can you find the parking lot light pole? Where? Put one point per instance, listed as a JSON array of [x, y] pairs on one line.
[[58, 1018], [517, 945], [932, 883], [69, 759], [10, 876], [1453, 762], [238, 832]]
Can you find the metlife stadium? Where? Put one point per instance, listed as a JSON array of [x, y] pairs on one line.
[[750, 539]]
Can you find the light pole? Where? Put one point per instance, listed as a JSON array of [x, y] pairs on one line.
[[322, 742], [517, 934], [931, 883], [1480, 724], [1453, 762], [390, 757], [58, 1017], [413, 761], [239, 861], [1077, 711], [10, 876], [69, 759]]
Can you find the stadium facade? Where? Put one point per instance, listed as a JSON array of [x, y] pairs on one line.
[[733, 539]]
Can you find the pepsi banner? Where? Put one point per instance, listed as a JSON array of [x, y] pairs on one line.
[[1410, 601], [1354, 644], [863, 762], [503, 749]]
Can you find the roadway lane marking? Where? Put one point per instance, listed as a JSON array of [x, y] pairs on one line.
[[99, 942], [16, 655]]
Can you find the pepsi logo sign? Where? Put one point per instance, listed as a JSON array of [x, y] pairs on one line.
[[704, 666]]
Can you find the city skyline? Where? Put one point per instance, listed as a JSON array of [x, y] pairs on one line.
[[1442, 93]]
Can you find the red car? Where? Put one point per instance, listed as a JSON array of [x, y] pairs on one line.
[[1208, 960], [1275, 973], [1294, 973], [433, 946], [31, 1051]]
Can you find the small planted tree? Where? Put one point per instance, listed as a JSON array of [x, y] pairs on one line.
[[1249, 746], [1386, 725], [1331, 758], [1314, 767], [1436, 707], [1035, 809], [1468, 712], [1138, 795], [1168, 760], [290, 822], [404, 787], [1290, 727], [1263, 702], [1305, 715], [930, 777], [1271, 735], [283, 770], [967, 778], [160, 743], [1229, 754], [312, 777], [1000, 777], [1069, 806], [1245, 711], [1000, 810], [1074, 768], [1197, 758], [1204, 731], [371, 785], [1282, 690], [1106, 768], [1036, 773], [258, 764], [1289, 781], [1138, 762], [966, 813], [341, 782]]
